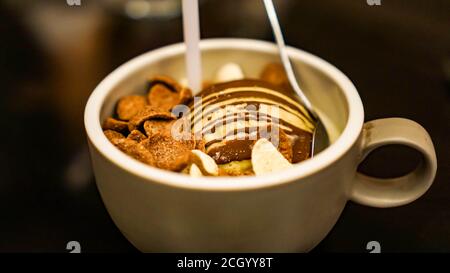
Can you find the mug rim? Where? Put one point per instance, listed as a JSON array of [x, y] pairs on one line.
[[151, 174]]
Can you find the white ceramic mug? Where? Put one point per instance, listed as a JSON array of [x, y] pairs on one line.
[[292, 210]]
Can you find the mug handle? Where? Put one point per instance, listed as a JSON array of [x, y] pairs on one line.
[[392, 192]]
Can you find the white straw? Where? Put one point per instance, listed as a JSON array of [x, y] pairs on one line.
[[191, 29]]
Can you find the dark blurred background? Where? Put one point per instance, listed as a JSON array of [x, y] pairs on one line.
[[52, 55]]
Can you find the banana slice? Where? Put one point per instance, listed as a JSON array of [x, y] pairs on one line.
[[205, 163], [229, 72], [184, 81], [266, 158], [195, 171]]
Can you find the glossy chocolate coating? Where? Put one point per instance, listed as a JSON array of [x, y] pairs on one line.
[[231, 116]]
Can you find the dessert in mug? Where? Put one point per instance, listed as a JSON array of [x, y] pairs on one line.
[[234, 126]]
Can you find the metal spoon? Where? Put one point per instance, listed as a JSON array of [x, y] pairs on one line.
[[320, 139]]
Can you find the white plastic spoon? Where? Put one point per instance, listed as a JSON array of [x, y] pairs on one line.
[[191, 30]]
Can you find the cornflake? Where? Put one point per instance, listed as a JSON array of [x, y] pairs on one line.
[[129, 106]]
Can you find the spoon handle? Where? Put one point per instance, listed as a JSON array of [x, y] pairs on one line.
[[284, 55], [191, 29]]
